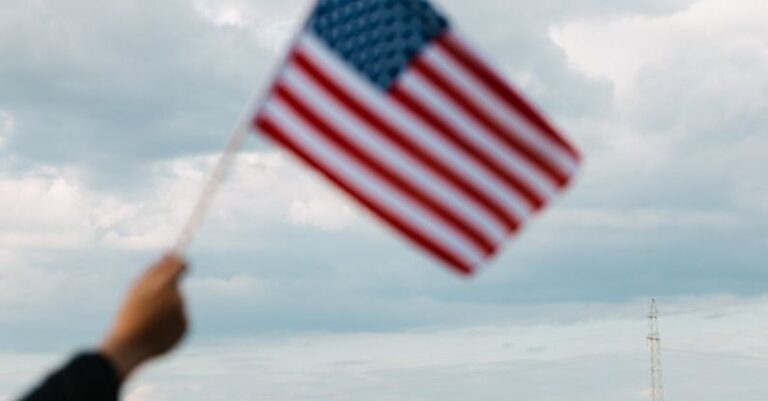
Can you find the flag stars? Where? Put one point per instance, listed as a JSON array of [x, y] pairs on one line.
[[377, 37]]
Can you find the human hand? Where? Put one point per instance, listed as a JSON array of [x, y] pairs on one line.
[[151, 320]]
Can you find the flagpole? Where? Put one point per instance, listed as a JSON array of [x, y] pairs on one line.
[[223, 163], [227, 156], [215, 178]]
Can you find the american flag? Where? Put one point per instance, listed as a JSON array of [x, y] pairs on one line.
[[389, 103]]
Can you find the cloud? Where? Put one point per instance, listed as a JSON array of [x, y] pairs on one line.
[[662, 209], [688, 57], [93, 84], [272, 24], [701, 337], [55, 208], [495, 362], [688, 99], [232, 289], [648, 219], [111, 120], [326, 213], [7, 125], [45, 210], [92, 89], [144, 392]]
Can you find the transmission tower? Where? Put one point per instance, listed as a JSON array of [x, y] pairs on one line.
[[654, 343]]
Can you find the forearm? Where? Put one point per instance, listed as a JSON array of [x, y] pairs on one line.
[[151, 322], [87, 377]]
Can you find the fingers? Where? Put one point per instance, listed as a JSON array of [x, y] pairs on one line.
[[178, 266], [170, 268]]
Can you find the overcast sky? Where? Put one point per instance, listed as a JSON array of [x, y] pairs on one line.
[[111, 113]]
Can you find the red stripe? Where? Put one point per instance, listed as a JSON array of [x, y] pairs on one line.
[[370, 161], [535, 200], [443, 83], [403, 142], [272, 130], [503, 90]]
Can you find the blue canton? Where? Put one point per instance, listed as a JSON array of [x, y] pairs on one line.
[[377, 37]]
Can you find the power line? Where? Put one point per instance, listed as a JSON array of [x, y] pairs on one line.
[[719, 355]]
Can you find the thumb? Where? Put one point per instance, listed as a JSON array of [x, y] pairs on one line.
[[172, 267]]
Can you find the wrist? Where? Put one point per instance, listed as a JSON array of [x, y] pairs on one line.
[[123, 356]]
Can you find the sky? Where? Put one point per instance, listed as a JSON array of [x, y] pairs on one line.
[[112, 113]]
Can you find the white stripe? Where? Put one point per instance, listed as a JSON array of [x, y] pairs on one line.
[[403, 121], [509, 117], [358, 132], [515, 162], [479, 55], [417, 217]]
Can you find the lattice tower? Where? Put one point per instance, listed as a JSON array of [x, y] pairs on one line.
[[654, 344]]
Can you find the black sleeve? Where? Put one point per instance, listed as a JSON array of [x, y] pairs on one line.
[[88, 377]]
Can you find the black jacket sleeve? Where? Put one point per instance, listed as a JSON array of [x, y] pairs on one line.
[[87, 377]]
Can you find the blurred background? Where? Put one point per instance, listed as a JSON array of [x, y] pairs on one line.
[[111, 114]]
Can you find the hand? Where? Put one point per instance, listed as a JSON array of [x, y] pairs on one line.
[[151, 320]]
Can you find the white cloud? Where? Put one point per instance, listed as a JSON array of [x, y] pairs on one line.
[[46, 209], [144, 392], [710, 33], [236, 288], [328, 213], [34, 285], [7, 126], [270, 24], [648, 219], [53, 208], [22, 368], [701, 337], [713, 335], [230, 16], [667, 162], [688, 109]]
